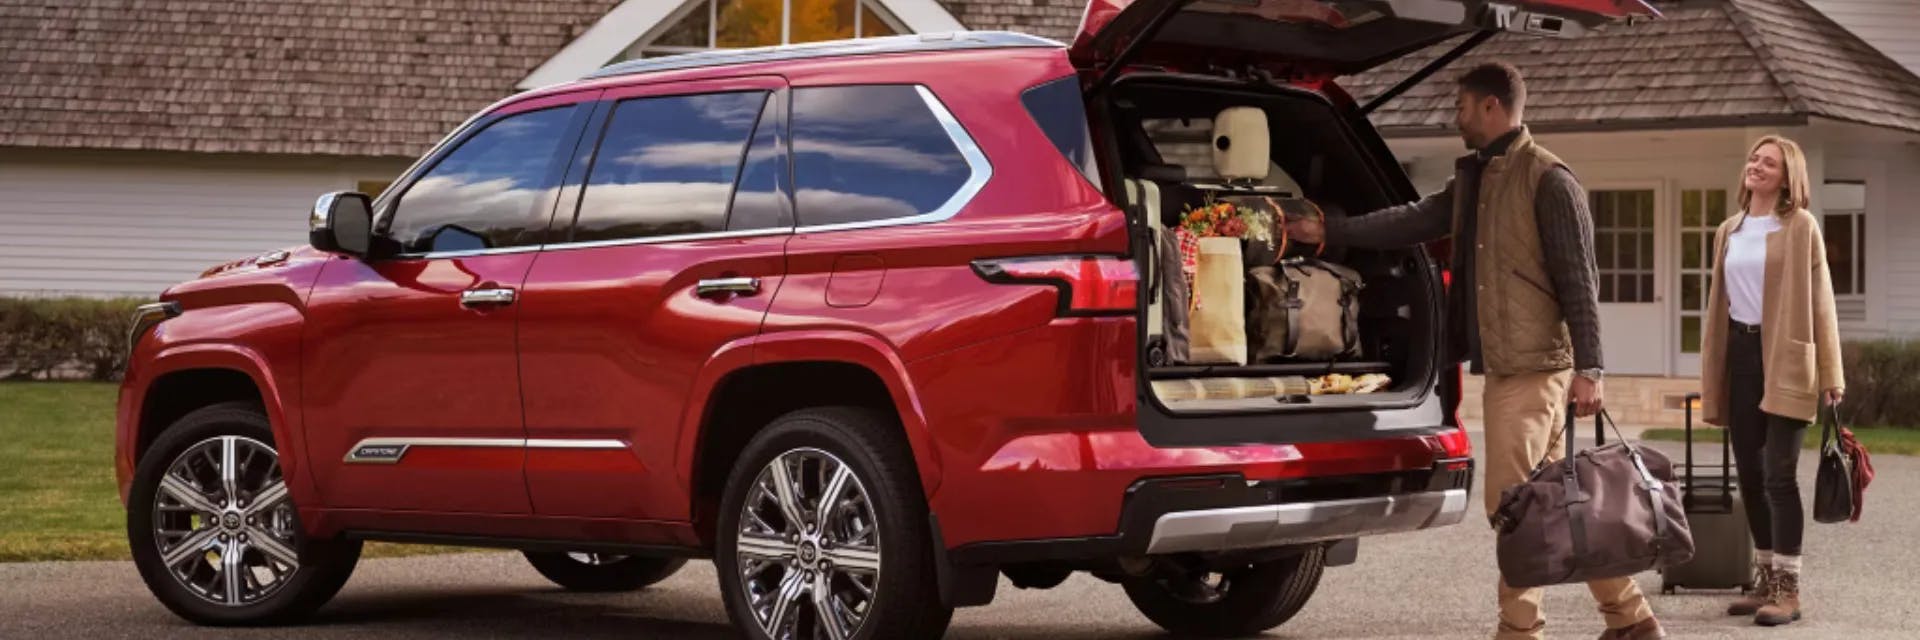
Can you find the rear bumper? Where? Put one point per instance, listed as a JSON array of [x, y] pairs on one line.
[[1228, 512]]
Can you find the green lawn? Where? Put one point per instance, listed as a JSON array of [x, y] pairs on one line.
[[1878, 441], [57, 495]]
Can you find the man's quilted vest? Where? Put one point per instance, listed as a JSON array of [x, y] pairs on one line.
[[1521, 327]]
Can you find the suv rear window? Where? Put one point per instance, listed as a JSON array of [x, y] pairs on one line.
[[667, 165], [870, 152], [1061, 111]]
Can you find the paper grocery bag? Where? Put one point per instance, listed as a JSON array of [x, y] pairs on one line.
[[1218, 325]]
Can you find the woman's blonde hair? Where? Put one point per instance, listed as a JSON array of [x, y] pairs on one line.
[[1793, 176]]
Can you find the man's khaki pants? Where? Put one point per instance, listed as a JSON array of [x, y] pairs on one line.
[[1523, 415]]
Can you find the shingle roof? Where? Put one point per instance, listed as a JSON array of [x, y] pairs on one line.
[[1719, 62], [389, 77], [333, 77]]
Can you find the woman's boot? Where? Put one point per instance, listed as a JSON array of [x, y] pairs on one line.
[[1784, 606]]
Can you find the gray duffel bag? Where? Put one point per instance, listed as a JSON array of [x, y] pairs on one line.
[[1607, 512]]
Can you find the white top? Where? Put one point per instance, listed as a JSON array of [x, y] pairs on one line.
[[1747, 267]]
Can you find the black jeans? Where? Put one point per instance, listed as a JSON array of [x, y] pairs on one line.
[[1766, 449]]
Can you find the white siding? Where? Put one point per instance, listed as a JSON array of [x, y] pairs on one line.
[[1892, 26], [134, 224]]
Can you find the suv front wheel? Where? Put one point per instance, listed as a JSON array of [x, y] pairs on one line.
[[214, 532], [824, 533], [1239, 602]]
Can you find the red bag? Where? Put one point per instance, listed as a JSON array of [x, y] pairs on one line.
[[1862, 468]]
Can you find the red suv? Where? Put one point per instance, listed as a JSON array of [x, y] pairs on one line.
[[868, 323]]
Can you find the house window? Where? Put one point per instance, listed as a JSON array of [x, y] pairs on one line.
[[1623, 244], [721, 24], [1701, 212], [1843, 206]]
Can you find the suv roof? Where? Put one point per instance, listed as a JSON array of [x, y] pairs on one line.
[[948, 41]]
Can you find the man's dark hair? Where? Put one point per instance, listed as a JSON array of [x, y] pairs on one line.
[[1498, 79]]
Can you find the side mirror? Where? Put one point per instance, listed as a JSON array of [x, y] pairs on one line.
[[342, 222]]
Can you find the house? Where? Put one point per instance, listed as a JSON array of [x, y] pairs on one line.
[[137, 149]]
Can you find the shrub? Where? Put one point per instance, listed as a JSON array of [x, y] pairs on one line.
[[1883, 382], [42, 338]]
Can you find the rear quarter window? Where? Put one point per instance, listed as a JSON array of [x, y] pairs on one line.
[[1061, 111], [869, 153]]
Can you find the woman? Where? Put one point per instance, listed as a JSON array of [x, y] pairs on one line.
[[1769, 359]]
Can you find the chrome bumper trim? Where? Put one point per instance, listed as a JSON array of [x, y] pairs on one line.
[[1284, 524]]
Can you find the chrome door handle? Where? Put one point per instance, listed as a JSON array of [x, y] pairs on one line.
[[718, 286], [486, 297]]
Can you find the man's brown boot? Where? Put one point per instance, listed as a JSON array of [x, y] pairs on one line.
[[1648, 629], [1784, 607], [1762, 593]]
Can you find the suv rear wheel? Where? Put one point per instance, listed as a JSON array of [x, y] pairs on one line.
[[214, 532], [602, 572], [1236, 603], [824, 533]]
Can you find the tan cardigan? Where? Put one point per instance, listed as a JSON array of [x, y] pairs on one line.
[[1800, 339]]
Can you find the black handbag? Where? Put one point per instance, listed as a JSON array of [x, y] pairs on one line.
[[1833, 486]]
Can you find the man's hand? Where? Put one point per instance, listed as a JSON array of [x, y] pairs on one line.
[[1587, 394], [1306, 230]]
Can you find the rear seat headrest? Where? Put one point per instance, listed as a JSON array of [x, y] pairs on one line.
[[1162, 173], [1240, 144]]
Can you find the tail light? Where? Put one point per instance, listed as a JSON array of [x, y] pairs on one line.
[[1089, 285]]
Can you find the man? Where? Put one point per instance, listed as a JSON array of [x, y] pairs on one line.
[[1522, 309]]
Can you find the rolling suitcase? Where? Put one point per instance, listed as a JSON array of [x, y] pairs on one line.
[[1723, 547]]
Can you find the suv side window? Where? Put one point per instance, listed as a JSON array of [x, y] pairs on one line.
[[872, 152], [764, 198], [666, 166], [493, 191]]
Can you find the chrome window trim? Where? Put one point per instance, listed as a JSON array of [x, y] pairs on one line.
[[981, 172]]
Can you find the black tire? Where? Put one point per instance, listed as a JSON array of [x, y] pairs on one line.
[[602, 573], [1257, 598], [906, 603], [324, 565]]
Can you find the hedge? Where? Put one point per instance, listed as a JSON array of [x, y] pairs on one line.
[[47, 338], [1883, 382]]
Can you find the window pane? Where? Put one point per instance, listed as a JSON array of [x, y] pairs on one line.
[[1629, 251], [1606, 288], [1860, 254], [1603, 249], [1692, 292], [871, 24], [1646, 287], [691, 31], [1690, 209], [1646, 251], [764, 198], [1692, 246], [489, 192], [1603, 209], [748, 23], [1061, 112], [1716, 206], [1839, 237], [816, 20], [1629, 288], [666, 166], [869, 153], [1643, 204], [1690, 334]]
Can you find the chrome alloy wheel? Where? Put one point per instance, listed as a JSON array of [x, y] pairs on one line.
[[223, 522], [809, 548]]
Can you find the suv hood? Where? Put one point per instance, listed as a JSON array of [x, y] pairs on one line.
[[1334, 37]]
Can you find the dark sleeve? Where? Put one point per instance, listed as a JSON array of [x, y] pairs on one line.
[[1566, 235], [1429, 219]]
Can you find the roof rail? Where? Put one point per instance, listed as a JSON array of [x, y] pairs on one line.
[[946, 41]]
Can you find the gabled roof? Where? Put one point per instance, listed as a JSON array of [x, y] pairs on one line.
[[1706, 63]]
